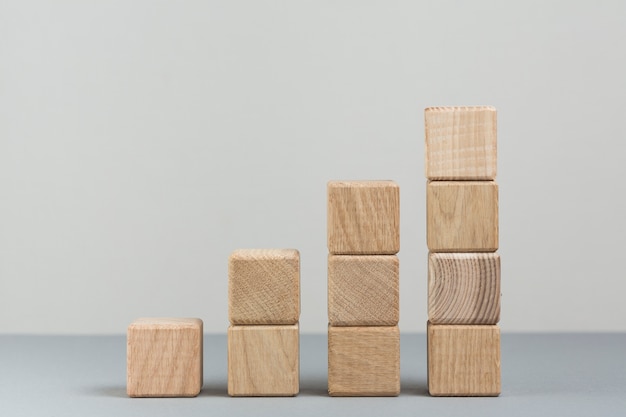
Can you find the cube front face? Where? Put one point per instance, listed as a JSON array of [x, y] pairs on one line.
[[462, 216], [164, 357], [364, 361], [463, 360], [463, 288], [461, 143], [263, 360], [363, 217], [264, 286], [363, 290]]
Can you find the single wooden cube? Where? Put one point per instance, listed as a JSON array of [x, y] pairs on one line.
[[363, 217], [463, 360], [363, 290], [463, 288], [264, 286], [461, 143], [263, 361], [164, 357], [462, 216], [363, 361]]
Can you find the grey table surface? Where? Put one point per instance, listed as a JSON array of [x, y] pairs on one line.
[[542, 374]]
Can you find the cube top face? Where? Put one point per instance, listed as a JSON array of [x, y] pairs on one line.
[[461, 143], [463, 288], [264, 286], [363, 290], [462, 216], [263, 360], [164, 357], [173, 323], [463, 360], [363, 361], [363, 217]]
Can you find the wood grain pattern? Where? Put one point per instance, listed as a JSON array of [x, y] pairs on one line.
[[461, 143], [164, 357], [263, 360], [363, 361], [463, 360], [363, 290], [363, 217], [462, 216], [264, 286], [464, 288]]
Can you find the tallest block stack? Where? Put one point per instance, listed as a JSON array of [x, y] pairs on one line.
[[462, 237]]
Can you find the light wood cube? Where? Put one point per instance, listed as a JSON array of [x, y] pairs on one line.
[[463, 360], [164, 357], [462, 216], [363, 217], [263, 360], [363, 361], [463, 288], [264, 286], [461, 143], [363, 290]]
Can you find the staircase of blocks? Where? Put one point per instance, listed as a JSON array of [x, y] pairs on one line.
[[164, 355]]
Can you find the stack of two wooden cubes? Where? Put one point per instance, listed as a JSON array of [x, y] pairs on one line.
[[264, 309], [363, 288], [463, 268]]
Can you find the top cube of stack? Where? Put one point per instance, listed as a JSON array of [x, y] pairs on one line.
[[363, 217], [264, 286], [461, 143]]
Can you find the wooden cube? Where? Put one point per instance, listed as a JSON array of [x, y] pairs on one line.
[[363, 290], [463, 288], [363, 217], [462, 216], [463, 360], [263, 360], [461, 143], [164, 357], [363, 361], [264, 286]]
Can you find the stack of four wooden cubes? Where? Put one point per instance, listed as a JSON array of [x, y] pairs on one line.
[[462, 237]]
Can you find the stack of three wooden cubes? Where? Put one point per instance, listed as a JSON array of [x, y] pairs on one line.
[[363, 288]]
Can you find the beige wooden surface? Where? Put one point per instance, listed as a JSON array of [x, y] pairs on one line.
[[264, 286], [263, 360], [363, 217], [463, 360], [461, 143], [462, 216], [363, 361], [363, 290], [164, 357], [463, 288]]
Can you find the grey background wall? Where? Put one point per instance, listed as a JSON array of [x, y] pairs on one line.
[[141, 142]]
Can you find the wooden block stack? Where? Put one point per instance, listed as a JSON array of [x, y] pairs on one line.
[[264, 309], [363, 288], [462, 236], [164, 357]]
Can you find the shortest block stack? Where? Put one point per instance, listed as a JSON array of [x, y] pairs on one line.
[[462, 236], [363, 282], [164, 357], [264, 309]]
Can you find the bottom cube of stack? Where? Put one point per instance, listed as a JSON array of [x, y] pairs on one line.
[[263, 360], [463, 360], [363, 361]]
